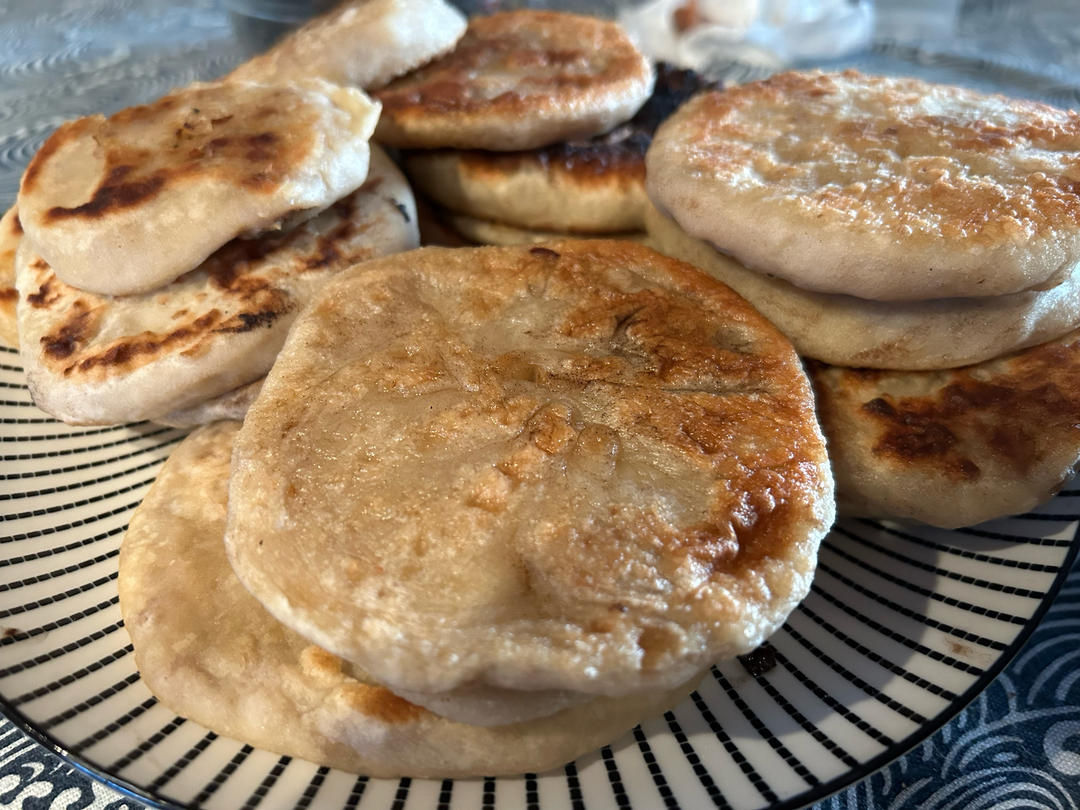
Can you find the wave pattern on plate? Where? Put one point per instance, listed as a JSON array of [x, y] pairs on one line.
[[902, 627]]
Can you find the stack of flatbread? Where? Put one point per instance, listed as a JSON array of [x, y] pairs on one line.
[[921, 243], [527, 129], [159, 255], [492, 507]]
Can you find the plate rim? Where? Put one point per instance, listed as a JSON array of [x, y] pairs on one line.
[[801, 800]]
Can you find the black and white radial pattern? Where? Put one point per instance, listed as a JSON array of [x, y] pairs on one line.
[[904, 627]]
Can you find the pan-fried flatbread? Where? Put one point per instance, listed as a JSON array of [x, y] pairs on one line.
[[365, 43], [483, 232], [954, 448], [881, 188], [93, 359], [10, 236], [848, 331], [587, 186], [579, 466], [128, 203], [527, 190], [519, 80], [211, 653]]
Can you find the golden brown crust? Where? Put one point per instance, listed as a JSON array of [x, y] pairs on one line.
[[573, 187], [982, 212], [883, 188], [518, 80], [209, 652], [209, 331], [126, 204], [233, 274], [254, 150], [619, 154], [963, 445], [622, 477]]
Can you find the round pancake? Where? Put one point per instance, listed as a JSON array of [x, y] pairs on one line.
[[848, 331], [210, 653], [519, 80], [954, 448], [128, 203], [882, 188], [522, 190], [579, 466], [93, 359], [591, 186], [365, 43], [481, 232], [10, 236]]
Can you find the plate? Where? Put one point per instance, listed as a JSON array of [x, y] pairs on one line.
[[904, 625]]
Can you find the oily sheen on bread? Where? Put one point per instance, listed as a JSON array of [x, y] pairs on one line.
[[891, 189], [93, 359], [958, 447], [518, 80], [364, 43], [211, 653], [848, 331], [125, 204], [578, 466]]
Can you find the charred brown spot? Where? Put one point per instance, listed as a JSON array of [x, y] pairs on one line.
[[249, 321], [184, 143], [114, 194], [46, 295], [16, 225], [259, 146], [1005, 415], [542, 65], [325, 255], [879, 407], [66, 340], [125, 354], [545, 252], [914, 435], [11, 631], [8, 294], [916, 438]]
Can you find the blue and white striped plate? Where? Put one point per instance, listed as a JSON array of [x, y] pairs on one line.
[[904, 626]]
